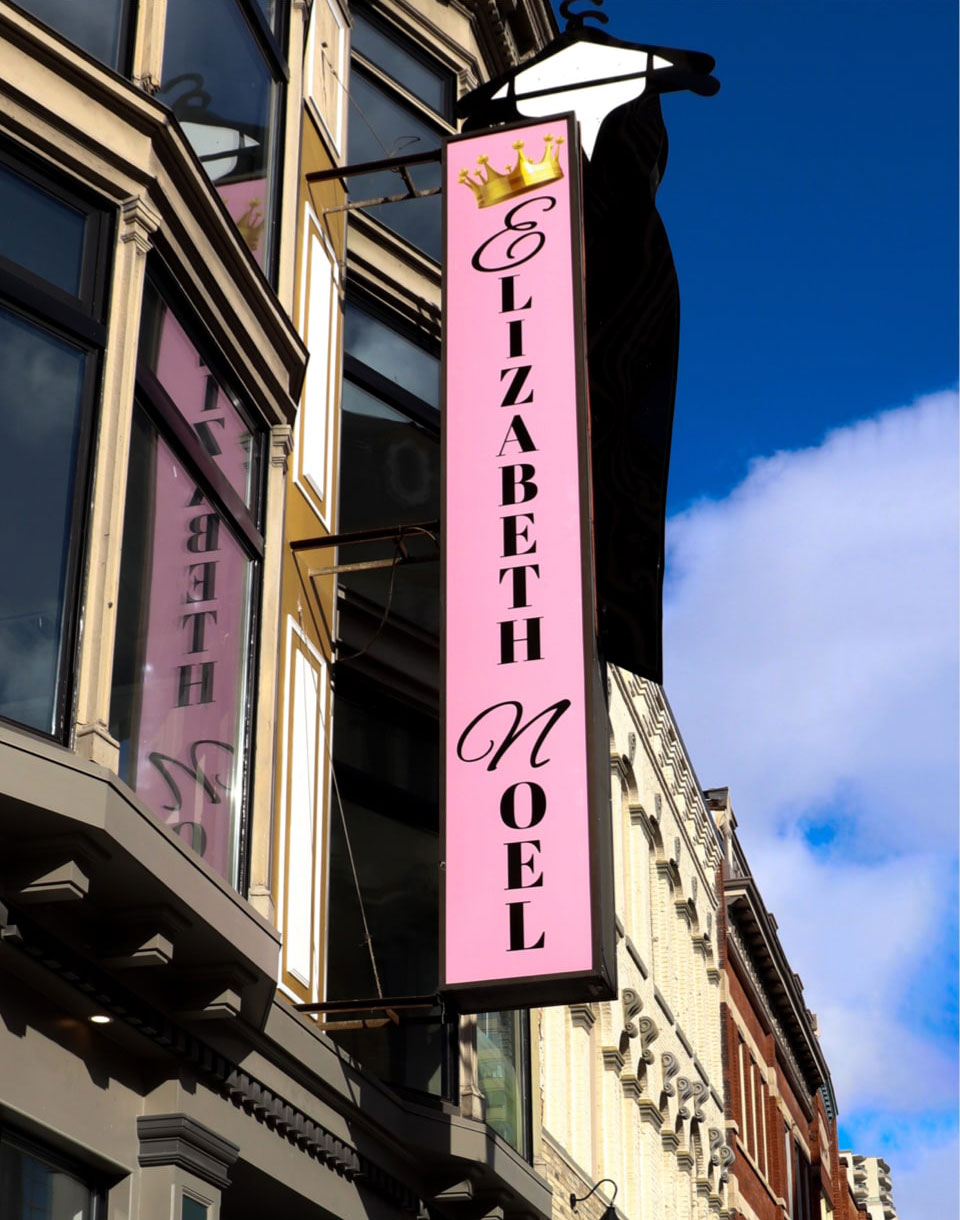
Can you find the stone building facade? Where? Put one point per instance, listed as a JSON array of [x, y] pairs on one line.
[[632, 1089]]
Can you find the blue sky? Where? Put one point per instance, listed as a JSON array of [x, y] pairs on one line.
[[811, 600]]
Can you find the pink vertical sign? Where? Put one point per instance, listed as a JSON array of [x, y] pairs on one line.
[[526, 794]]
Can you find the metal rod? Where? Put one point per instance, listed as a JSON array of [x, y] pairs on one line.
[[373, 167], [380, 1004], [413, 530], [375, 203]]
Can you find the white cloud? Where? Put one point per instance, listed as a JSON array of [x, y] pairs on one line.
[[811, 627], [811, 659]]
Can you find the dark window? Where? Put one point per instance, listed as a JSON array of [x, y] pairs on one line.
[[37, 1185], [385, 123], [188, 588], [390, 452], [52, 249], [404, 62], [384, 863], [100, 27], [223, 74]]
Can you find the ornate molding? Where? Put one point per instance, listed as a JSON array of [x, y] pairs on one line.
[[688, 1090], [632, 1006], [760, 992], [178, 1139], [720, 1153], [648, 1033], [613, 1059], [281, 445], [583, 1016], [670, 1069], [138, 223]]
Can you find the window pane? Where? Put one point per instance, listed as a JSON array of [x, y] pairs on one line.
[[41, 396], [94, 25], [392, 354], [502, 1068], [40, 232], [390, 467], [386, 764], [216, 81], [193, 1209], [33, 1189], [429, 84], [179, 680], [167, 349], [382, 127]]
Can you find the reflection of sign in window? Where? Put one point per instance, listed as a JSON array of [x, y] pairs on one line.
[[190, 550]]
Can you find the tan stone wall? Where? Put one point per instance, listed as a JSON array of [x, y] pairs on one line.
[[632, 1088]]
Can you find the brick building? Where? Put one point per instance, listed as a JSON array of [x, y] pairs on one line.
[[781, 1109]]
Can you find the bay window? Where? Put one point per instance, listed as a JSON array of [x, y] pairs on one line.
[[52, 294], [99, 27], [223, 77], [188, 588]]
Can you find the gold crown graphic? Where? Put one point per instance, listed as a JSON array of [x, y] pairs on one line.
[[525, 175]]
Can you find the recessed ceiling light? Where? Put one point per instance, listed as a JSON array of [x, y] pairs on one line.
[[100, 1018]]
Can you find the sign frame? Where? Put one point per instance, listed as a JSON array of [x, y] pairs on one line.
[[594, 976]]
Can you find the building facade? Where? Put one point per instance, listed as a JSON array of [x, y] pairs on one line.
[[220, 326], [632, 1090], [870, 1185], [781, 1109], [169, 708]]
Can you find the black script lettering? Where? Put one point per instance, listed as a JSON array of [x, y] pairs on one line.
[[554, 711], [204, 430], [511, 483], [508, 805], [188, 682], [197, 622], [204, 533], [517, 935], [204, 582], [509, 640], [512, 534], [518, 380], [519, 582], [196, 836], [507, 299], [515, 250], [516, 864], [194, 771], [517, 434]]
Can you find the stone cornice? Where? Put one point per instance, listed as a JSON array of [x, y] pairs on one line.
[[178, 1139]]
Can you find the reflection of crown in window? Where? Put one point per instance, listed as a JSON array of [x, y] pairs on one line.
[[524, 176], [250, 223]]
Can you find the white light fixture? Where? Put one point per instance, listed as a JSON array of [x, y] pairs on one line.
[[100, 1018]]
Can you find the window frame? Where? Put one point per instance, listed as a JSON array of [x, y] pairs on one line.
[[444, 123], [94, 1181], [390, 29], [243, 522], [125, 40], [80, 321], [270, 45]]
